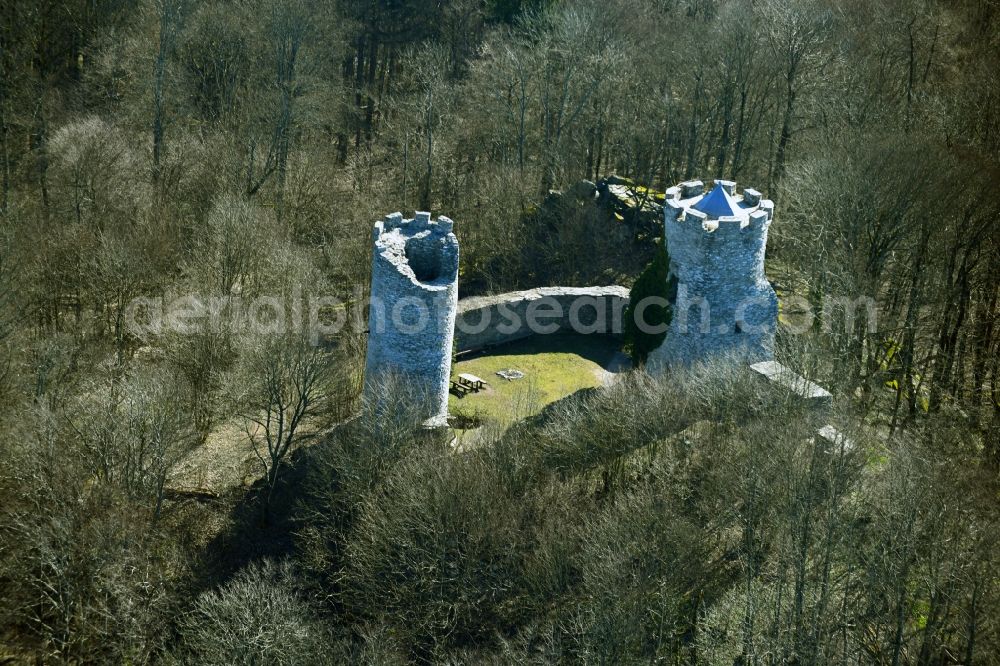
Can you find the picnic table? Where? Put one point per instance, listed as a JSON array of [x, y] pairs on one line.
[[467, 383], [473, 382]]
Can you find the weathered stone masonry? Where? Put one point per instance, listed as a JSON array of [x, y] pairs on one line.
[[485, 321], [717, 244], [725, 305], [414, 297]]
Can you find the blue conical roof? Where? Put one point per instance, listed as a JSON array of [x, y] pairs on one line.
[[717, 203]]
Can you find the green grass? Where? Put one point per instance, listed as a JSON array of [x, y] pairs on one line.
[[554, 366]]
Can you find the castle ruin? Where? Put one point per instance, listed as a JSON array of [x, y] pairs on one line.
[[724, 305], [413, 303], [716, 242]]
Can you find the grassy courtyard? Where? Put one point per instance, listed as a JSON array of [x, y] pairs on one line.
[[554, 366]]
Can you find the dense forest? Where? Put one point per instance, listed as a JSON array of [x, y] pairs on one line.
[[154, 149]]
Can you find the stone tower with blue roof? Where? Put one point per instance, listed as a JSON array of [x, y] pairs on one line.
[[725, 306]]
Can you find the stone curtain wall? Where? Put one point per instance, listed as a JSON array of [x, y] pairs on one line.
[[414, 297], [485, 321]]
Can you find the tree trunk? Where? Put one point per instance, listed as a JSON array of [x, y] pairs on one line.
[[359, 79], [4, 149], [158, 77], [693, 128], [914, 303], [786, 128], [370, 85], [722, 155], [970, 643], [983, 340], [425, 188], [39, 143]]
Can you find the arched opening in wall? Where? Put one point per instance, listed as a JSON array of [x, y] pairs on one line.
[[424, 257]]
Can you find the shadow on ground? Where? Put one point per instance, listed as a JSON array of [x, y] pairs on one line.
[[600, 349]]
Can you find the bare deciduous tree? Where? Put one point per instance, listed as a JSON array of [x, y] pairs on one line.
[[257, 617], [286, 384], [134, 430]]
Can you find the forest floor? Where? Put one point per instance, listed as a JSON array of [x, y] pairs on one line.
[[224, 461], [554, 366]]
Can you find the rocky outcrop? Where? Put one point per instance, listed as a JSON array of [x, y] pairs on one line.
[[632, 204]]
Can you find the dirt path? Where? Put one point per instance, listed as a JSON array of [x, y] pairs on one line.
[[226, 460]]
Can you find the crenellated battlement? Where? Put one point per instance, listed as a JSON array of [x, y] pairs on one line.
[[421, 250], [717, 241], [421, 221], [685, 200], [414, 296]]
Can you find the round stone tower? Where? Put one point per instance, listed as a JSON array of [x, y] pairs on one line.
[[725, 305], [414, 299]]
